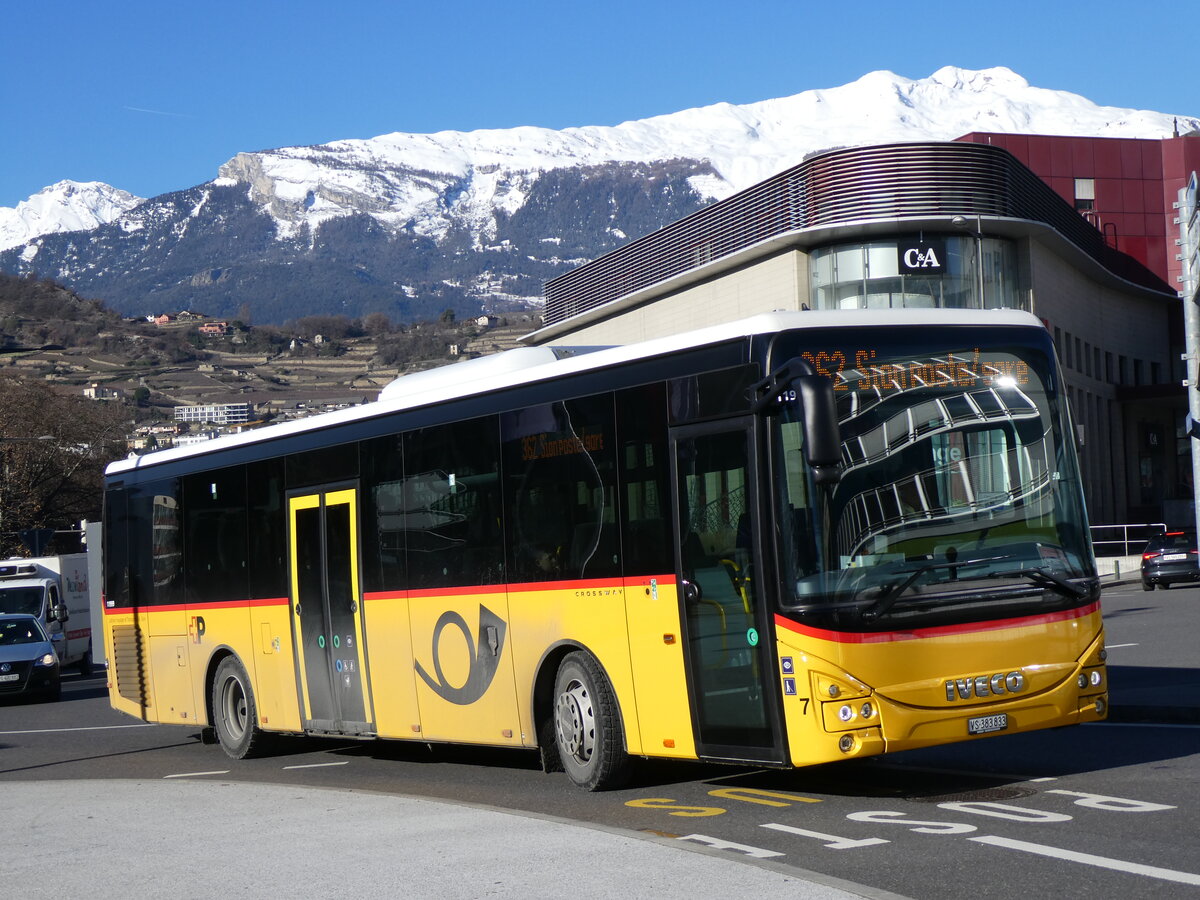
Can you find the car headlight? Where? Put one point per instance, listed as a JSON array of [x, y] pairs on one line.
[[46, 659]]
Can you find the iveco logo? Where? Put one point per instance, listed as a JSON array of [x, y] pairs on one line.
[[984, 686]]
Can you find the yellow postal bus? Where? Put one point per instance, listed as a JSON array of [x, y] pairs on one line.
[[799, 538]]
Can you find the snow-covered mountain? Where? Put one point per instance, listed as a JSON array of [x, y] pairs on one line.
[[411, 224], [65, 206], [431, 182]]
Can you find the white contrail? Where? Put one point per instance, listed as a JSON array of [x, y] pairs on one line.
[[158, 112]]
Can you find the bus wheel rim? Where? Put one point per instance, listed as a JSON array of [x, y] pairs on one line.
[[234, 707], [576, 722]]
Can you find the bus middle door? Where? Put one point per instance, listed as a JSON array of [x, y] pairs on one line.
[[326, 612], [727, 632]]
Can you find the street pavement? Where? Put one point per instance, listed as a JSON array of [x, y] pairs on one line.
[[188, 839]]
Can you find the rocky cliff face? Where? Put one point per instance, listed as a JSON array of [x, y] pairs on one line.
[[242, 246]]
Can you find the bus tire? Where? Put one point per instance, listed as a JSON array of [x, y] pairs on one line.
[[234, 713], [587, 725]]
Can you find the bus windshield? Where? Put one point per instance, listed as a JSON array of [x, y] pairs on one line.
[[958, 487]]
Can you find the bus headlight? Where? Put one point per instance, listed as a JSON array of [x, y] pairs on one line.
[[867, 711], [846, 713], [1096, 678]]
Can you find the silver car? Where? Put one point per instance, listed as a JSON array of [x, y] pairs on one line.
[[28, 663]]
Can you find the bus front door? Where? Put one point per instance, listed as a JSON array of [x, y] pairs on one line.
[[327, 622], [717, 559]]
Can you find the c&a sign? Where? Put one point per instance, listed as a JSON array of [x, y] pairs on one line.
[[921, 257]]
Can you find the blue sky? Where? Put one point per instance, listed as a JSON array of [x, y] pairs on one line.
[[153, 96]]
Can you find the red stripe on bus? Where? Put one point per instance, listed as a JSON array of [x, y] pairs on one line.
[[464, 591], [884, 637], [194, 607], [522, 587]]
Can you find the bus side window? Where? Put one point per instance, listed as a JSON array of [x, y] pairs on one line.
[[645, 524], [560, 486], [214, 536], [446, 509]]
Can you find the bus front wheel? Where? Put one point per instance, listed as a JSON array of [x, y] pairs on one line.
[[587, 725], [234, 714]]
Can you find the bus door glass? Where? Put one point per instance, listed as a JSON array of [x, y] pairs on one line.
[[327, 623], [717, 558]]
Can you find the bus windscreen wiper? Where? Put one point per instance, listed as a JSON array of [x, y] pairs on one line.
[[1042, 578], [889, 595]]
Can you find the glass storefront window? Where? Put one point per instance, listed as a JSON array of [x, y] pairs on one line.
[[868, 276]]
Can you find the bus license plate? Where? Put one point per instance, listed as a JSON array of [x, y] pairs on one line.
[[987, 724], [13, 677]]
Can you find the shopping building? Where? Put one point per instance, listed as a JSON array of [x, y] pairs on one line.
[[1078, 231]]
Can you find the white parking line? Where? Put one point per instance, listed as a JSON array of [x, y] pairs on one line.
[[197, 774], [1118, 646], [1088, 859], [344, 762], [87, 728]]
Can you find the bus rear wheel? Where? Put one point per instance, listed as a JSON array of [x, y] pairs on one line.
[[235, 716], [587, 725]]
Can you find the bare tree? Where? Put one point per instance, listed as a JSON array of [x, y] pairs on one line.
[[53, 449]]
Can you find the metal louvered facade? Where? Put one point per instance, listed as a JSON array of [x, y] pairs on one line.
[[888, 182]]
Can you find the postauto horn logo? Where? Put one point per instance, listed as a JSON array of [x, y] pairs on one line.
[[483, 664]]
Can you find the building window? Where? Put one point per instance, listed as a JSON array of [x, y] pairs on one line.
[[1085, 194], [959, 270]]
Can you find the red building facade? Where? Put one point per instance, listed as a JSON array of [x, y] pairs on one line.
[[1126, 187]]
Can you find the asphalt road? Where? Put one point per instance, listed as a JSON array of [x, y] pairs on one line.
[[1099, 810]]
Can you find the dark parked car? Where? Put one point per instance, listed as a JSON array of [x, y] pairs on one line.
[[1170, 557], [28, 663]]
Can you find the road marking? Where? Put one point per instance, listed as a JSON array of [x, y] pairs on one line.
[[1141, 725], [88, 728], [1113, 804], [719, 844], [196, 774], [1117, 646], [834, 842], [1088, 859], [344, 762], [757, 795]]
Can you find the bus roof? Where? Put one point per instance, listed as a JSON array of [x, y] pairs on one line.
[[525, 365]]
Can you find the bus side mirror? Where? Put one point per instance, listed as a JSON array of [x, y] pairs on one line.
[[822, 436]]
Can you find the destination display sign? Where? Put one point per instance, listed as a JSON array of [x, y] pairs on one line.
[[863, 370]]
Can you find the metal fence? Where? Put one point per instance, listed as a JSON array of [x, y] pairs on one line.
[[1123, 540]]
